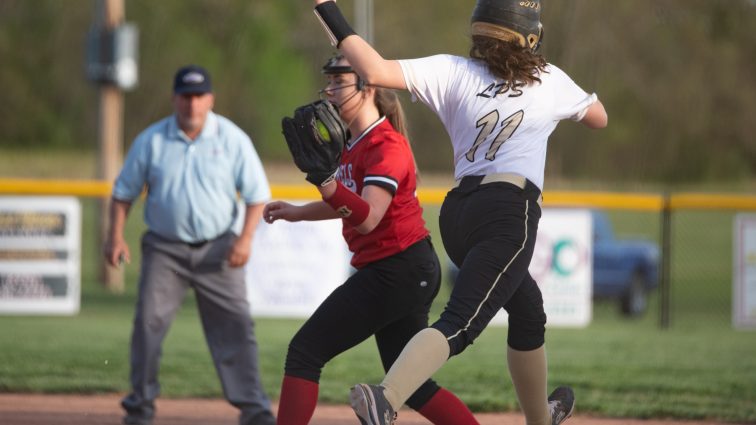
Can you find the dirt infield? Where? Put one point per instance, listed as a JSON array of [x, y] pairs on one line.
[[32, 409]]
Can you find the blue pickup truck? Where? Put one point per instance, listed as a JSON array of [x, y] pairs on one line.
[[625, 270]]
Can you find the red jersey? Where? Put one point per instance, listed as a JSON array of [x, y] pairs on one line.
[[381, 156]]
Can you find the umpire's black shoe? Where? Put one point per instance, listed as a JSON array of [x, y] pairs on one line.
[[561, 404], [262, 418], [371, 406], [136, 420]]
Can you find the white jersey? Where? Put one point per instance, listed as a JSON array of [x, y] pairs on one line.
[[493, 130]]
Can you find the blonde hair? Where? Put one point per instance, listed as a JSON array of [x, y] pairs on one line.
[[388, 105]]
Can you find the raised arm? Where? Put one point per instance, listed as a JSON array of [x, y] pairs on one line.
[[365, 60]]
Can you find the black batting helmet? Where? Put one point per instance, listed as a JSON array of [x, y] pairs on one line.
[[509, 20], [332, 67]]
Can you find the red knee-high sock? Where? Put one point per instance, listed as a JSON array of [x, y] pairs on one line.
[[298, 400], [444, 408]]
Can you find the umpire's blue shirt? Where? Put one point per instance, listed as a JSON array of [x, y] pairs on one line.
[[192, 185]]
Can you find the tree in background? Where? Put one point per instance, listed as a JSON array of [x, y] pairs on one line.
[[677, 77], [49, 104]]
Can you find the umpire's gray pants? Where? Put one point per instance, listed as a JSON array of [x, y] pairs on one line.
[[168, 269]]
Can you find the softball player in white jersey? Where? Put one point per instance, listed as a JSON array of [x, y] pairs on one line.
[[499, 107]]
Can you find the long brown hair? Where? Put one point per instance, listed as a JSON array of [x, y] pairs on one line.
[[517, 65], [388, 104]]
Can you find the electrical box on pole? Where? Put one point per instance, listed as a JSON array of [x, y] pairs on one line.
[[112, 56]]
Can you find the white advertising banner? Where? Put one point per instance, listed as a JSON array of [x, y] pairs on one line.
[[562, 265], [40, 255], [744, 273], [294, 266]]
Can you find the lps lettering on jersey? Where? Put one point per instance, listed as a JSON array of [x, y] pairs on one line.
[[494, 89]]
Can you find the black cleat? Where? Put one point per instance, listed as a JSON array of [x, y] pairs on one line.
[[561, 404], [371, 406]]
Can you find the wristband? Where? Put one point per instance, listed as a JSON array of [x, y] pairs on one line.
[[333, 22], [321, 178], [350, 206]]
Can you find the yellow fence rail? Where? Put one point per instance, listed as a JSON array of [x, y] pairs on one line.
[[85, 188], [607, 200]]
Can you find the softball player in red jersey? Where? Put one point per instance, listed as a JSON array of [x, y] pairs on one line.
[[499, 107], [398, 272]]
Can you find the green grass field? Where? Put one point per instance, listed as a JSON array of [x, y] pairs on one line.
[[699, 368]]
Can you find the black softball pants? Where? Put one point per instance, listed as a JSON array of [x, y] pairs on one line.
[[389, 298], [489, 232]]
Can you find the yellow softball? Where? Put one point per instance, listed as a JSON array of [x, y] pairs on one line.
[[323, 131]]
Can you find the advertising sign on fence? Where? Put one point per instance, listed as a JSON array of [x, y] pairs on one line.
[[562, 265], [744, 273], [294, 266], [40, 255]]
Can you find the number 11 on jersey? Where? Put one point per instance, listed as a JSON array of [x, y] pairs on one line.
[[487, 125]]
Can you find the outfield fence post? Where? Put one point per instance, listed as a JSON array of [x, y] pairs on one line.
[[666, 259]]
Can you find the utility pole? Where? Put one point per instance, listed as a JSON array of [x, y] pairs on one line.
[[363, 19], [110, 135], [111, 64]]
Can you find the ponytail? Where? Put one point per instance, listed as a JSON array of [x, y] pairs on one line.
[[388, 105]]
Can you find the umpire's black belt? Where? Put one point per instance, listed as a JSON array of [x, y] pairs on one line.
[[510, 178], [198, 244]]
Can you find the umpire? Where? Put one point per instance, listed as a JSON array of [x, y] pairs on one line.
[[193, 164]]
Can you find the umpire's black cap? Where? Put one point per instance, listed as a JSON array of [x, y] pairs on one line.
[[192, 79]]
